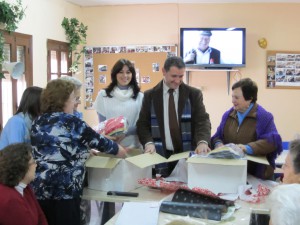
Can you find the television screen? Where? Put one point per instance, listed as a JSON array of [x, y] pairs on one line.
[[219, 48]]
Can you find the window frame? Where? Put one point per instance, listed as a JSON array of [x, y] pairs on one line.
[[58, 47]]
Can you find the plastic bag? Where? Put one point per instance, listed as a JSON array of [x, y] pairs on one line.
[[114, 127], [228, 151]]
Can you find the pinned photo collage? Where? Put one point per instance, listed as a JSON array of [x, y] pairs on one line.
[[97, 71], [132, 49], [283, 69], [88, 77]]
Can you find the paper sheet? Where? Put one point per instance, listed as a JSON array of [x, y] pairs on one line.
[[137, 213]]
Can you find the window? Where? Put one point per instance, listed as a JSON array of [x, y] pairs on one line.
[[58, 59], [18, 48]]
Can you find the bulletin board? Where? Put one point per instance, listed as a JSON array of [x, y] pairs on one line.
[[283, 69], [147, 59]]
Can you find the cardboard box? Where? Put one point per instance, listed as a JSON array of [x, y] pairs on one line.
[[219, 175], [108, 173]]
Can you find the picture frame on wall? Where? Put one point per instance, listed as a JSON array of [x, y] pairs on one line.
[[283, 70]]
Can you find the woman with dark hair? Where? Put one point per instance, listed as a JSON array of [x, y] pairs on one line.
[[61, 145], [123, 93], [17, 128], [18, 204], [251, 127], [122, 97]]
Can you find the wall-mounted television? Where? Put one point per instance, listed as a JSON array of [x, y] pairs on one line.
[[213, 48]]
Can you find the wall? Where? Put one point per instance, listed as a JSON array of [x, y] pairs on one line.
[[43, 21], [159, 24]]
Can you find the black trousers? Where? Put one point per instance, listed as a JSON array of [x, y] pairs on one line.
[[61, 212], [171, 165], [167, 168]]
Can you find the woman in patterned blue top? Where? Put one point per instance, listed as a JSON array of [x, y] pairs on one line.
[[61, 144]]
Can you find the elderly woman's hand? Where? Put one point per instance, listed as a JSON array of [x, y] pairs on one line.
[[94, 152], [242, 147], [219, 145]]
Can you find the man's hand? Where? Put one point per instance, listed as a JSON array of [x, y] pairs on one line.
[[202, 148], [150, 148]]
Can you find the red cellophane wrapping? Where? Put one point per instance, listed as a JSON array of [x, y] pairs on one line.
[[113, 127], [173, 186]]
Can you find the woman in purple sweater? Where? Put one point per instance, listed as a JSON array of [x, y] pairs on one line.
[[251, 127], [18, 204]]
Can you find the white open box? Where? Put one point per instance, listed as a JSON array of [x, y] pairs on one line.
[[219, 175], [107, 173]]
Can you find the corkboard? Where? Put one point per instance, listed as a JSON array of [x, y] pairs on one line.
[[98, 66], [283, 70]]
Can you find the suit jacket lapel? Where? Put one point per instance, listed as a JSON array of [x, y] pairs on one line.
[[159, 107], [183, 95]]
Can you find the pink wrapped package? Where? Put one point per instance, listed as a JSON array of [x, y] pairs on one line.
[[113, 127]]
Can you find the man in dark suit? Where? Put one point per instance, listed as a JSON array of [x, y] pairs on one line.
[[203, 54], [155, 131]]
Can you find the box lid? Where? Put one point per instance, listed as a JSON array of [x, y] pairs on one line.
[[229, 162], [139, 160], [102, 162], [148, 159], [258, 159], [178, 156]]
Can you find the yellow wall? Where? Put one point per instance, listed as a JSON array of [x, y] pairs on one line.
[[43, 21], [159, 24]]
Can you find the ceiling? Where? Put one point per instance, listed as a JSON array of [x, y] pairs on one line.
[[127, 2]]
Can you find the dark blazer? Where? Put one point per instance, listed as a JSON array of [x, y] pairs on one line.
[[200, 123], [214, 57]]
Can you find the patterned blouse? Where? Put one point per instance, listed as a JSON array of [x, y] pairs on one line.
[[61, 144]]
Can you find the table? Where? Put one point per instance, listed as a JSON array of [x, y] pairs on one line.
[[145, 194], [240, 217]]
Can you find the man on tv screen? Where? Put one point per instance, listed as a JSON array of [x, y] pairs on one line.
[[203, 54]]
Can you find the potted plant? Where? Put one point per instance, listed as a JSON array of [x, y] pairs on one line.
[[76, 34], [10, 16]]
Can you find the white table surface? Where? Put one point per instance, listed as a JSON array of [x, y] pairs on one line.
[[240, 216], [145, 194]]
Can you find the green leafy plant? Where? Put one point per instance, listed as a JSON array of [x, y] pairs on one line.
[[10, 16], [76, 35]]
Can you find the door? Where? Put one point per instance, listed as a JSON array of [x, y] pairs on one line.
[[17, 48]]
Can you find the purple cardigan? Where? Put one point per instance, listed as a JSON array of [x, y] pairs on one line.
[[265, 129]]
